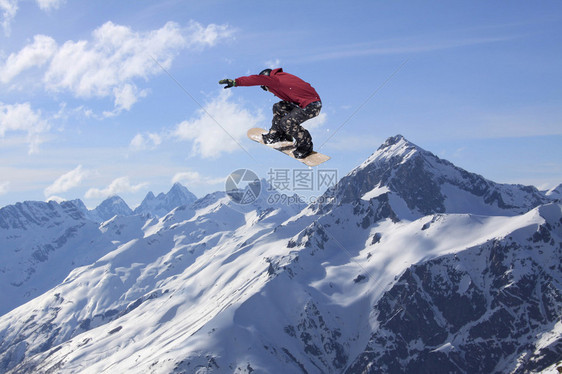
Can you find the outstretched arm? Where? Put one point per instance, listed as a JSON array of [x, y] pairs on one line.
[[256, 80]]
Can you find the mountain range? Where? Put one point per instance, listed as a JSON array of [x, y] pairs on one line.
[[408, 264]]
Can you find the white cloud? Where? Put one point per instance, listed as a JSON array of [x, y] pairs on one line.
[[146, 141], [35, 54], [117, 55], [192, 178], [396, 46], [119, 185], [49, 4], [126, 96], [67, 181], [109, 64], [57, 199], [223, 132], [273, 64], [21, 118], [208, 36], [4, 188], [315, 122], [8, 10]]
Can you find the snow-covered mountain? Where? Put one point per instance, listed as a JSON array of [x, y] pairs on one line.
[[109, 208], [151, 206], [411, 265], [40, 243], [162, 204], [493, 307], [425, 184]]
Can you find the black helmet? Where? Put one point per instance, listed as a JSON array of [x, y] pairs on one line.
[[265, 72]]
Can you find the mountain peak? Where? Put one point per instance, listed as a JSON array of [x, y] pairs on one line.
[[420, 183], [394, 148], [162, 204], [393, 140], [111, 207]]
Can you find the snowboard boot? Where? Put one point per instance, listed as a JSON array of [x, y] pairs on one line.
[[276, 137], [302, 152], [270, 138]]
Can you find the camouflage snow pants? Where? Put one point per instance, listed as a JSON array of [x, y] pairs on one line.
[[287, 119]]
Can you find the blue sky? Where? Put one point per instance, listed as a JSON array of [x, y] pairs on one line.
[[101, 98]]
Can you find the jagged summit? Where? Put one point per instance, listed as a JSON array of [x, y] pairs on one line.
[[397, 143], [31, 214], [394, 147], [111, 207], [160, 205], [426, 184]]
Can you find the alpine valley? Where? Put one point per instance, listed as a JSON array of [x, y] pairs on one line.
[[408, 265]]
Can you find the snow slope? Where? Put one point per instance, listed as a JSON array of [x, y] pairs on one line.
[[40, 243], [411, 263]]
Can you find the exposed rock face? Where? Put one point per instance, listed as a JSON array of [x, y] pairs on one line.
[[476, 311]]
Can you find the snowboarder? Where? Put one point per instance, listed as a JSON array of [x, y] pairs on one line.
[[300, 102]]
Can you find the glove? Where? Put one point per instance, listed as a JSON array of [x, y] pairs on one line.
[[229, 83]]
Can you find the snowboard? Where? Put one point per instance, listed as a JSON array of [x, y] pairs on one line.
[[313, 159]]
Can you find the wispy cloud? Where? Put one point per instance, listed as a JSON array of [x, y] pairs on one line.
[[37, 54], [22, 118], [117, 186], [50, 4], [67, 181], [209, 36], [221, 133], [192, 178], [9, 9], [530, 120], [112, 62], [4, 188], [146, 141], [397, 46], [316, 122], [272, 64]]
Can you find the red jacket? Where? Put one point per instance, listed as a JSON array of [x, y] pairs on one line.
[[285, 86]]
